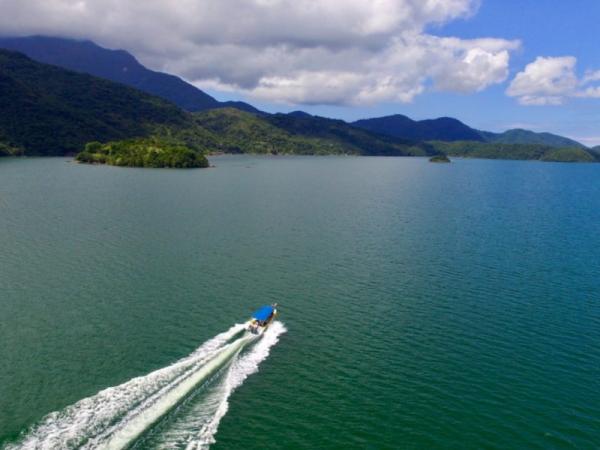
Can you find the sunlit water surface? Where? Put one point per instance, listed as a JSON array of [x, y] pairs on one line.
[[426, 306]]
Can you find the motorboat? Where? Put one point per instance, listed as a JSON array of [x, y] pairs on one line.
[[262, 318]]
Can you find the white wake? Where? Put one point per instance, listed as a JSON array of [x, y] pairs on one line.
[[117, 416], [196, 429]]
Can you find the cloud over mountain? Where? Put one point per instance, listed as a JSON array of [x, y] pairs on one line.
[[297, 51], [550, 81]]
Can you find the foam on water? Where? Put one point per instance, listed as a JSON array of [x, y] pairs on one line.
[[115, 417], [196, 429]]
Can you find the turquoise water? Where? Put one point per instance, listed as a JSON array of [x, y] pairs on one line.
[[422, 306]]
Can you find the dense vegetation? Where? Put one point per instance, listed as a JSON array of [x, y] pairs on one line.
[[471, 149], [568, 155], [115, 65], [47, 110], [143, 152], [235, 131], [442, 129], [451, 130], [339, 134], [51, 111], [520, 136]]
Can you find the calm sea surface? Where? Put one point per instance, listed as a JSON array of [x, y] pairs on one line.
[[426, 306]]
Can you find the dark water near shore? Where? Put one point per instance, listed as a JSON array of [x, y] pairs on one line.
[[426, 306]]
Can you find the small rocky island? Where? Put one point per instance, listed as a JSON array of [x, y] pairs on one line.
[[439, 159], [152, 152]]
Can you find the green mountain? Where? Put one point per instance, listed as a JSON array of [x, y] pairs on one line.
[[442, 129], [234, 131], [46, 110], [347, 136], [540, 152], [116, 65], [122, 67], [451, 130], [520, 136]]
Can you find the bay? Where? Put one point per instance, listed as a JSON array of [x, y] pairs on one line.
[[426, 306]]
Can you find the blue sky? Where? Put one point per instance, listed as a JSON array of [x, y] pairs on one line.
[[549, 28]]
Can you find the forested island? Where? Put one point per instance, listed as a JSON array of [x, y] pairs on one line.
[[143, 152]]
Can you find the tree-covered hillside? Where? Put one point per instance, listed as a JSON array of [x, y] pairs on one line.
[[235, 131], [442, 129], [116, 65], [46, 110], [447, 129], [239, 132], [469, 149], [344, 135], [520, 136]]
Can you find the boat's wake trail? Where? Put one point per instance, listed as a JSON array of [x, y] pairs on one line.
[[116, 417]]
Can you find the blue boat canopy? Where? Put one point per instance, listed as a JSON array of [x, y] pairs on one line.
[[263, 313]]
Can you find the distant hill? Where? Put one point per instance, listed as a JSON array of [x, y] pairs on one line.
[[46, 110], [452, 130], [242, 106], [497, 150], [520, 136], [362, 141], [299, 114], [239, 132], [442, 129], [118, 66]]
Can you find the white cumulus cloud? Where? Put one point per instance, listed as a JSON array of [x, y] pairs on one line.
[[297, 51], [552, 80]]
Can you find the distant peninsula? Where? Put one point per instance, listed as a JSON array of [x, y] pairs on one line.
[[143, 152]]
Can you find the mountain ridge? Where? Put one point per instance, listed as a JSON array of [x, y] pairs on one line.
[[47, 110], [522, 136], [120, 66], [241, 132], [452, 130], [440, 129], [51, 111]]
